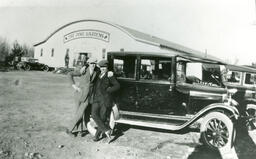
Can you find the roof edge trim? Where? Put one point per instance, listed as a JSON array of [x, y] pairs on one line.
[[87, 20]]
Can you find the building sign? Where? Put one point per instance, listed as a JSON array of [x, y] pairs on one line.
[[95, 34]]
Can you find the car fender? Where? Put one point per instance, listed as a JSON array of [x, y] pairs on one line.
[[210, 108], [250, 101], [115, 115], [221, 106], [251, 106]]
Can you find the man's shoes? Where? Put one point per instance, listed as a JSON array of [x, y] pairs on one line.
[[70, 133], [97, 136], [83, 133], [108, 134]]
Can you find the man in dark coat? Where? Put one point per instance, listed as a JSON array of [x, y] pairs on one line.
[[102, 100], [83, 92]]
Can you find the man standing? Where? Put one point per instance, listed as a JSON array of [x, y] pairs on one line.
[[83, 92], [103, 101]]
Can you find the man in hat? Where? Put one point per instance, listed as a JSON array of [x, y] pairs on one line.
[[105, 85], [83, 93]]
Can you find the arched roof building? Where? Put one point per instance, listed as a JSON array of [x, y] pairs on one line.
[[94, 38]]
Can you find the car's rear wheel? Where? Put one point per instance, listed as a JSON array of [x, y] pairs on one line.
[[251, 113], [217, 131], [45, 68]]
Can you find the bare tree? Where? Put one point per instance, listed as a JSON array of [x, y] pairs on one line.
[[4, 49], [28, 51], [17, 49]]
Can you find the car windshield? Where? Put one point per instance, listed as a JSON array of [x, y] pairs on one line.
[[198, 73]]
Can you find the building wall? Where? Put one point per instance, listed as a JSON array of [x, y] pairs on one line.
[[91, 37]]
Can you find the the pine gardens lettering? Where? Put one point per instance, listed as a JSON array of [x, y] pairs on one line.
[[95, 34]]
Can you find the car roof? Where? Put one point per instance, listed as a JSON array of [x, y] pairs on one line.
[[241, 68], [193, 57]]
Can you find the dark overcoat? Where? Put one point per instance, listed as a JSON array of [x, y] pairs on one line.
[[104, 87]]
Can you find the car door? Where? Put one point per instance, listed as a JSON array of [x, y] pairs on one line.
[[155, 86], [124, 70]]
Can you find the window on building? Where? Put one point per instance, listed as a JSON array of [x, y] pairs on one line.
[[52, 52], [41, 54], [103, 53]]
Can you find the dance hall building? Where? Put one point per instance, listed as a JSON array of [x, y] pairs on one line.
[[95, 38]]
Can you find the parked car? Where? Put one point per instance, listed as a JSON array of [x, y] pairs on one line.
[[32, 64], [243, 79], [180, 90]]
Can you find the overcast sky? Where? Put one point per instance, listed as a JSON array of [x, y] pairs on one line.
[[224, 27]]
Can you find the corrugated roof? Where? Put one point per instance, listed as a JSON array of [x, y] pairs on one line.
[[147, 38]]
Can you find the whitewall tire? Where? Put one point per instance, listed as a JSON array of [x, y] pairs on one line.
[[217, 131]]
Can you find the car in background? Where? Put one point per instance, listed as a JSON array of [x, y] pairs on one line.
[[243, 79], [32, 64]]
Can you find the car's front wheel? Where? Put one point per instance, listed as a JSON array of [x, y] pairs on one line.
[[251, 113], [217, 131]]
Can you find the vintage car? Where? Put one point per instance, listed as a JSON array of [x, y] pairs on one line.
[[243, 79], [32, 64], [173, 91]]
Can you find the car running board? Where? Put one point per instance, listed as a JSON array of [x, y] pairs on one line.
[[165, 126]]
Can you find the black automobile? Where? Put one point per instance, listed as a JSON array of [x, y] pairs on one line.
[[243, 79], [173, 91], [32, 64]]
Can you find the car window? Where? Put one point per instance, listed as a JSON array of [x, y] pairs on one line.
[[181, 69], [250, 78], [155, 69], [233, 77], [198, 73], [124, 67]]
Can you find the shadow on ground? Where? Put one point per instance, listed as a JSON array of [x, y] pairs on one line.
[[244, 146]]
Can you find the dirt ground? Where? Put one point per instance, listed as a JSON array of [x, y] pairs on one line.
[[36, 107]]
